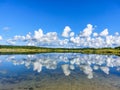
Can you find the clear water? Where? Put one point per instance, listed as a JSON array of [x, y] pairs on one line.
[[59, 71]]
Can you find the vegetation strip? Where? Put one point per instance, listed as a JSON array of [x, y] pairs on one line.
[[7, 49]]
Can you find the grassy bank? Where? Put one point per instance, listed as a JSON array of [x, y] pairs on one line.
[[4, 49]]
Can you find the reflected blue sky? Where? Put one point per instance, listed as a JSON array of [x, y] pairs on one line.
[[59, 62]]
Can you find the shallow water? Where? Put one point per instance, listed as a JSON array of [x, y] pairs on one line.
[[59, 71]]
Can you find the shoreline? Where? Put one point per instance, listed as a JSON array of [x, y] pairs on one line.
[[6, 49]]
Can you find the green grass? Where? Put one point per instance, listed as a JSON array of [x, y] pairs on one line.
[[7, 49]]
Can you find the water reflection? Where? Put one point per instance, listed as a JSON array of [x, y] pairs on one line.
[[68, 62]]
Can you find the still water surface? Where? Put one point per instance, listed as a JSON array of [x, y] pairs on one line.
[[59, 71]]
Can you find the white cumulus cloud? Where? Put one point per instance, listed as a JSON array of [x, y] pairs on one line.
[[86, 38], [66, 31], [95, 34], [11, 42], [87, 31], [104, 32], [72, 34], [1, 38], [38, 34]]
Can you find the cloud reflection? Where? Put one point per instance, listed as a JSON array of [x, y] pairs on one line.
[[68, 62], [66, 69]]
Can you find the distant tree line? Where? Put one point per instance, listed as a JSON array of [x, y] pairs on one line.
[[35, 47], [117, 47]]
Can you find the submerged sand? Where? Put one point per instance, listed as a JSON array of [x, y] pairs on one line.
[[58, 81]]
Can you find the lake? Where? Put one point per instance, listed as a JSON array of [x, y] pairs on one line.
[[59, 71]]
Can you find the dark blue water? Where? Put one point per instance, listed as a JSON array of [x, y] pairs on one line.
[[59, 71]]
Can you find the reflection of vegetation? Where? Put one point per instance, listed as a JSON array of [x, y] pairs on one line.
[[6, 49]]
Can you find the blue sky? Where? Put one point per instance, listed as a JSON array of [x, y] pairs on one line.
[[18, 17]]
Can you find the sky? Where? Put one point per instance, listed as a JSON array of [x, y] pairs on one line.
[[64, 22]]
